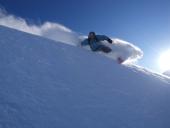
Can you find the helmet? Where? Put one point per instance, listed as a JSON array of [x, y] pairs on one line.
[[91, 35]]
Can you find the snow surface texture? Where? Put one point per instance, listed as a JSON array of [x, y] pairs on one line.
[[44, 84], [60, 33]]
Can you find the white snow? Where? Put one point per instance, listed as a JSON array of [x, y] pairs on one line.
[[45, 84], [167, 73]]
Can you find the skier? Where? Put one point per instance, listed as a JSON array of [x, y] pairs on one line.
[[94, 41]]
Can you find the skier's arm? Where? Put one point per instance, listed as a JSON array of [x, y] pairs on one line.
[[103, 37], [84, 42]]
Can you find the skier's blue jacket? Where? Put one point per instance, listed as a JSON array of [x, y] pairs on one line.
[[95, 43]]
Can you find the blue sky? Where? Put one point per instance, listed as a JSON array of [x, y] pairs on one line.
[[145, 23]]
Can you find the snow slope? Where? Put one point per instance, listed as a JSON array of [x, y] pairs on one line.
[[45, 84]]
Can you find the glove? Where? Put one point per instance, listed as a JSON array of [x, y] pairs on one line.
[[109, 40]]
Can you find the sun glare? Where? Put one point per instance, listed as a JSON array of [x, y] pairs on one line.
[[164, 61]]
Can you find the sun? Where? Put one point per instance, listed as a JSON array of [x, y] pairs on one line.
[[164, 61]]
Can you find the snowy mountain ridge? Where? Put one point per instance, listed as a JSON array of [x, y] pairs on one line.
[[48, 84]]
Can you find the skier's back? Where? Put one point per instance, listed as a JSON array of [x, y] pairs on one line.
[[94, 41]]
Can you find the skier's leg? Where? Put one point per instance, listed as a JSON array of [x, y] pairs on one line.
[[103, 48], [106, 49], [99, 48]]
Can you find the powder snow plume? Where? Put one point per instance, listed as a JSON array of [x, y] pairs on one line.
[[60, 33]]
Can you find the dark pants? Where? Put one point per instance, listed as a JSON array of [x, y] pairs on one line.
[[103, 48]]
